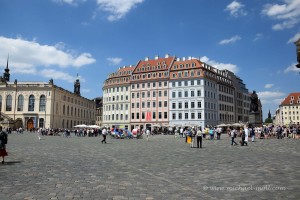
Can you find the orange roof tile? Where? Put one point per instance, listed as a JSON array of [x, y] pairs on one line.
[[292, 99], [155, 62]]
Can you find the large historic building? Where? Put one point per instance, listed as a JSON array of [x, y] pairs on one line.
[[116, 98], [42, 104], [288, 112], [169, 91]]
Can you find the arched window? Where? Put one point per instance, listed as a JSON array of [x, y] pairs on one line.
[[42, 103], [20, 103], [8, 103], [31, 103]]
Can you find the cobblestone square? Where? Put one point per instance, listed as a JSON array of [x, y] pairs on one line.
[[162, 168]]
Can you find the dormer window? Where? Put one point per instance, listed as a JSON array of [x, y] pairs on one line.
[[148, 68], [291, 102], [158, 67], [149, 75], [292, 97]]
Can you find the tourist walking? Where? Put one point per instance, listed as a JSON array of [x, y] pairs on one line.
[[39, 133], [148, 134], [244, 141], [199, 138], [219, 131], [104, 132], [252, 133], [3, 142], [233, 136]]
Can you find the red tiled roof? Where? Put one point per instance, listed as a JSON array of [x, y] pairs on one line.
[[292, 99], [181, 62], [154, 62]]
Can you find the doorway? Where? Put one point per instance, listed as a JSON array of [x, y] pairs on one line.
[[30, 125]]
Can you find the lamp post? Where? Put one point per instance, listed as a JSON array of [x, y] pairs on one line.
[[297, 43], [45, 113]]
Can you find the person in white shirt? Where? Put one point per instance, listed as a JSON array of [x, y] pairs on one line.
[[181, 132], [148, 134], [104, 135], [199, 138]]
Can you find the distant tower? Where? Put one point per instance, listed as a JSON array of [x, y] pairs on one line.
[[77, 86], [6, 74], [269, 115]]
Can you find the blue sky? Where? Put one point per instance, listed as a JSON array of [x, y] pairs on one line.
[[60, 38]]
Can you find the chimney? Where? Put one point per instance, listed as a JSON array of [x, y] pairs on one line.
[[124, 66], [167, 56], [178, 59], [183, 58], [156, 57], [147, 58], [190, 58]]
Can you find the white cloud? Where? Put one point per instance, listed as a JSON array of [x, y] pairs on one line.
[[57, 75], [292, 68], [287, 13], [70, 2], [270, 97], [24, 53], [117, 8], [114, 61], [236, 9], [269, 85], [230, 40], [221, 66], [258, 36], [295, 38]]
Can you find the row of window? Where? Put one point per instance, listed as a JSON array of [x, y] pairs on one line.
[[115, 117], [176, 116], [137, 105], [161, 115], [116, 107], [225, 98], [42, 106], [225, 89], [224, 107], [20, 103], [80, 103], [143, 85], [151, 75], [116, 89], [137, 94], [116, 98]]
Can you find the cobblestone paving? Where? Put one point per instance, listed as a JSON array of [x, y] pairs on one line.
[[163, 168]]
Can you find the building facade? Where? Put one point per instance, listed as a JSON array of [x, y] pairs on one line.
[[150, 93], [288, 112], [170, 91], [116, 98], [42, 105]]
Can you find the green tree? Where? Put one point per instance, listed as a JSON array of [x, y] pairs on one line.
[[268, 121]]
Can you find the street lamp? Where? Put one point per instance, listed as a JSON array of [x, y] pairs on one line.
[[297, 43], [45, 113]]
